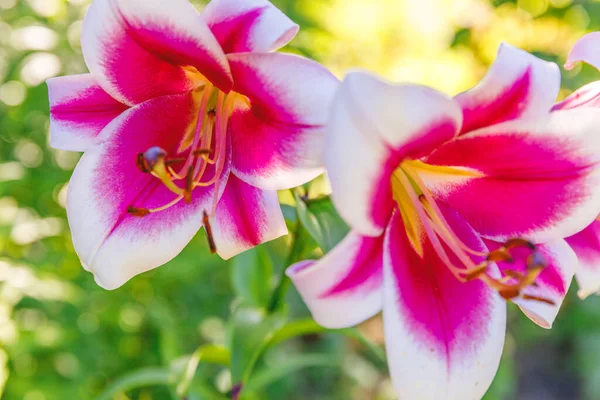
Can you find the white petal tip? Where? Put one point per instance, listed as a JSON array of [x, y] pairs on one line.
[[104, 285], [105, 282], [85, 266]]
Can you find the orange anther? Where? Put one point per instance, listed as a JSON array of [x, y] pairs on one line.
[[209, 235], [138, 212]]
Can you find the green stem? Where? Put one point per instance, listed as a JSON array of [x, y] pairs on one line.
[[305, 327], [279, 293], [284, 282], [267, 376], [295, 254], [141, 378]]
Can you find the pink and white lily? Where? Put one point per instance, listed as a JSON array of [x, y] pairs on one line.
[[186, 120], [586, 243], [436, 190]]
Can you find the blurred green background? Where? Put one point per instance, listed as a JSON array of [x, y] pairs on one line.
[[62, 337]]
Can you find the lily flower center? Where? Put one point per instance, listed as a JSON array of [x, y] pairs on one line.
[[204, 145], [423, 218]]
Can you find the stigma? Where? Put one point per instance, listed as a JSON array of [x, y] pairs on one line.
[[423, 218]]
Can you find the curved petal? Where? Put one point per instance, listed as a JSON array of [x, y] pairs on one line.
[[373, 126], [444, 338], [79, 109], [586, 245], [250, 25], [246, 216], [111, 243], [344, 287], [586, 49], [137, 49], [517, 85], [552, 284], [586, 96], [537, 179], [277, 137]]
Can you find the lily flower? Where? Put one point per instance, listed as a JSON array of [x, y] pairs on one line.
[[586, 243], [456, 205], [185, 120]]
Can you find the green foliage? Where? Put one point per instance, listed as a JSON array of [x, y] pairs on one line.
[[251, 276], [321, 221]]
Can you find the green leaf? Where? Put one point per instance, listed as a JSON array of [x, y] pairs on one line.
[[251, 276], [141, 378], [302, 245], [289, 214], [297, 328], [250, 333], [322, 221], [267, 376], [307, 326]]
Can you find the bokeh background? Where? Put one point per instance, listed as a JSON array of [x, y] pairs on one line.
[[62, 337]]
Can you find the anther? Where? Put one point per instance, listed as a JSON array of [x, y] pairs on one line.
[[202, 152], [138, 212], [147, 160], [175, 160], [189, 185], [537, 298], [513, 243], [510, 292], [209, 235]]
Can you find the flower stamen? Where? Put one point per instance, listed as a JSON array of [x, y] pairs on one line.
[[423, 217], [208, 146]]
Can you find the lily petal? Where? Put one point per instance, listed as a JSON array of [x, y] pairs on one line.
[[79, 110], [250, 25], [278, 135], [444, 338], [517, 85], [537, 179], [344, 287], [586, 245], [137, 49], [374, 125], [246, 216], [552, 284], [586, 96], [111, 243], [586, 49]]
